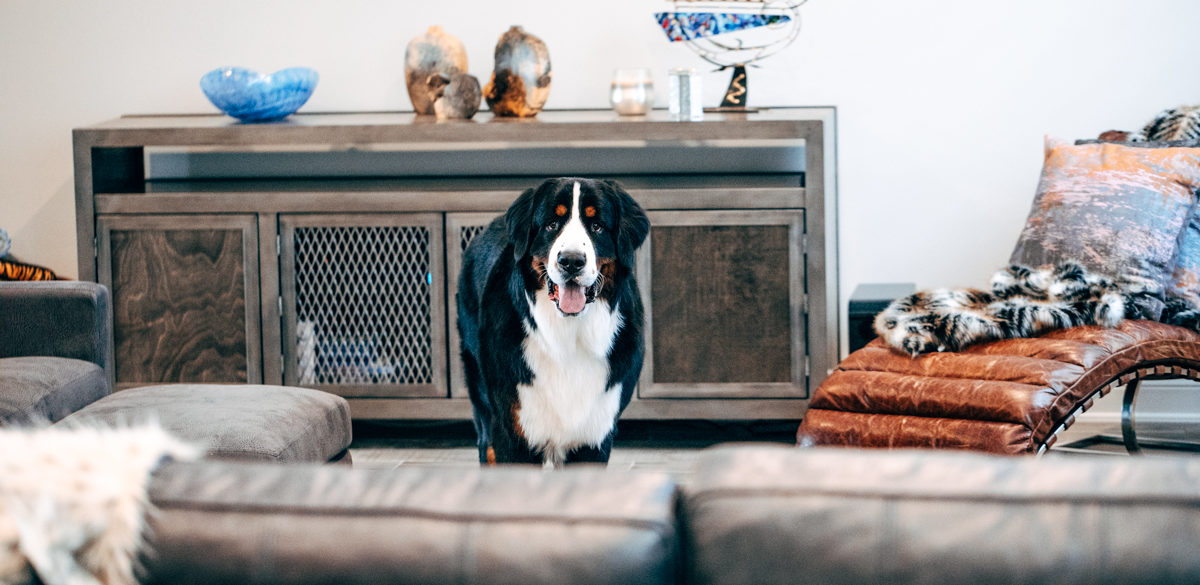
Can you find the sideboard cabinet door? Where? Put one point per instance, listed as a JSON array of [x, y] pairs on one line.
[[461, 228], [185, 297], [363, 304], [724, 293]]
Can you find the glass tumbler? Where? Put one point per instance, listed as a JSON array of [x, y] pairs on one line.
[[632, 91]]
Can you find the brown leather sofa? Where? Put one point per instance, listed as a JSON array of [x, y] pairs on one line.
[[747, 515], [1011, 396]]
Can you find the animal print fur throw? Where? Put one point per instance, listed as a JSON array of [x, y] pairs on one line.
[[1022, 302], [73, 502], [1181, 123]]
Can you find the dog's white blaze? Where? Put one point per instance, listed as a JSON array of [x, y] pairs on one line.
[[568, 404], [574, 238]]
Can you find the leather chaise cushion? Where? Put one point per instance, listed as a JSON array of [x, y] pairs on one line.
[[1002, 397]]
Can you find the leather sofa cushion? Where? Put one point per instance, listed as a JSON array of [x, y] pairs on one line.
[[256, 422], [46, 389], [230, 522], [763, 515]]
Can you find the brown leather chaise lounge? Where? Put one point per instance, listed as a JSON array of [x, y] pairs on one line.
[[1015, 396], [1012, 396]]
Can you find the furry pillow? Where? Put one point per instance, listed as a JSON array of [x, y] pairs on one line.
[[73, 501], [1117, 209]]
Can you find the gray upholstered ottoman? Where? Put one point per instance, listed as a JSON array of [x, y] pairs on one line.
[[248, 422], [47, 388]]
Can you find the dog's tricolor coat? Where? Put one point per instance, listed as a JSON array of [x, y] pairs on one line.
[[551, 322]]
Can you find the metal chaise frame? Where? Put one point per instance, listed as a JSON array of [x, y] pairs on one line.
[[1131, 380]]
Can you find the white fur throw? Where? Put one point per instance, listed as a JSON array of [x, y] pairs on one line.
[[73, 501]]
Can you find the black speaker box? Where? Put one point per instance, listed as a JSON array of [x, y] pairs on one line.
[[866, 302]]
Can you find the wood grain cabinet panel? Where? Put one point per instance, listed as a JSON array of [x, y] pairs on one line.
[[724, 292], [183, 289]]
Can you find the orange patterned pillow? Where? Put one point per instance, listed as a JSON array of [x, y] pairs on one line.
[[1118, 210]]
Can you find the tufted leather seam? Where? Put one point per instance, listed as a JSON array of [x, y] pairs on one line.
[[916, 377], [166, 504], [968, 377], [698, 496]]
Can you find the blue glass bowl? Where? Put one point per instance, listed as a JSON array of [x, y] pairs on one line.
[[253, 97]]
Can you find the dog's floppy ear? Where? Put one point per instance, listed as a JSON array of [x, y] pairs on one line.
[[519, 217], [632, 224], [519, 222]]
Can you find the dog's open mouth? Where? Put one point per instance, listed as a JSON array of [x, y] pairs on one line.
[[571, 297]]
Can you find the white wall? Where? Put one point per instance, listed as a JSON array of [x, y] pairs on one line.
[[942, 105]]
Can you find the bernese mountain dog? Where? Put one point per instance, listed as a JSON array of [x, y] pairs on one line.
[[551, 323]]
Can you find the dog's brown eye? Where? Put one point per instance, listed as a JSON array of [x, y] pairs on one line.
[[552, 226], [597, 227]]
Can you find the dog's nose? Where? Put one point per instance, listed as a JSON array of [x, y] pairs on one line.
[[571, 262]]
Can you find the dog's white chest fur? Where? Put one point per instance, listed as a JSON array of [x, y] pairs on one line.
[[568, 404]]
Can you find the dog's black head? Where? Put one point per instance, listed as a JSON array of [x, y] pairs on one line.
[[576, 238]]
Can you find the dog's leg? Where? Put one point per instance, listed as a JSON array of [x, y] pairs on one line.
[[508, 447], [479, 405], [592, 454]]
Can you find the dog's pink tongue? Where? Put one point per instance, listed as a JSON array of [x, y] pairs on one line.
[[571, 298]]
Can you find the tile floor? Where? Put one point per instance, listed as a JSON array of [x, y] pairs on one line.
[[671, 447]]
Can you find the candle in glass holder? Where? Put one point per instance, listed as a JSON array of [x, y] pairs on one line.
[[632, 92]]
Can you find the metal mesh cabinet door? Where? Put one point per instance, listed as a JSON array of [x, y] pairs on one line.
[[724, 294], [363, 304], [461, 228]]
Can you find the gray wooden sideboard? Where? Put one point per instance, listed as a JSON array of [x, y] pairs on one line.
[[323, 250]]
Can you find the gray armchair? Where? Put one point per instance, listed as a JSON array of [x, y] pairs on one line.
[[55, 349]]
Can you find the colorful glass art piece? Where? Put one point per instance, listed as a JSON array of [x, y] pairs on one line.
[[686, 26]]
